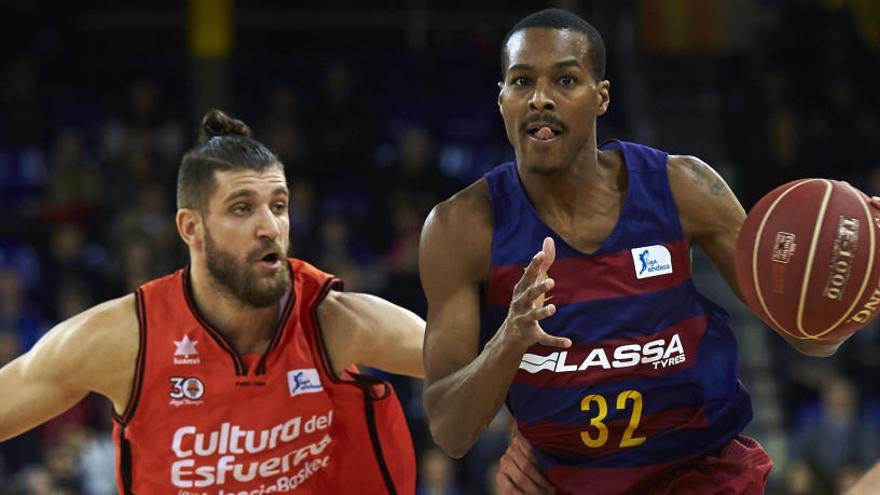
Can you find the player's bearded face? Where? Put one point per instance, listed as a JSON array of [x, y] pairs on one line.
[[243, 278]]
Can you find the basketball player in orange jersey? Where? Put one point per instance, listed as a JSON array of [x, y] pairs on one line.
[[618, 373], [236, 373]]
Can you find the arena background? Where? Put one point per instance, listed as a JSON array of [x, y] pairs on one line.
[[379, 111]]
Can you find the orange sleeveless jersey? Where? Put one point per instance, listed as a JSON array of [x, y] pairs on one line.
[[204, 420]]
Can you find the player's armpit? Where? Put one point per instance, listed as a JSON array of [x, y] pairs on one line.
[[364, 329], [91, 352]]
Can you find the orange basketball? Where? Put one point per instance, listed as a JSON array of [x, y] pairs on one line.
[[808, 259]]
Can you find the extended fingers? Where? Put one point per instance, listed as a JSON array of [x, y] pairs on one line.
[[521, 454], [538, 266], [552, 341], [531, 296], [539, 314]]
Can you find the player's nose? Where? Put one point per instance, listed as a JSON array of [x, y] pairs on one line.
[[268, 224], [541, 100]]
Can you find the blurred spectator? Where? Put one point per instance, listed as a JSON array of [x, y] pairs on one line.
[[73, 184], [303, 217], [437, 474], [72, 261], [15, 312], [36, 480], [837, 439], [10, 346]]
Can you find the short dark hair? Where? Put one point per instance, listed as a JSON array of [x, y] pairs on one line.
[[224, 144], [562, 19]]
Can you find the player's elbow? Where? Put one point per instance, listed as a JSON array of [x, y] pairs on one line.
[[451, 444], [447, 428]]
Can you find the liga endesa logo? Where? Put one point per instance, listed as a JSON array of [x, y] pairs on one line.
[[650, 261], [286, 467]]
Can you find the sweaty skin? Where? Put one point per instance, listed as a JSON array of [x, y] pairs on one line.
[[96, 350], [579, 192]]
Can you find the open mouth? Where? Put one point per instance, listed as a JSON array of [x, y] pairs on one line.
[[271, 260], [543, 132]]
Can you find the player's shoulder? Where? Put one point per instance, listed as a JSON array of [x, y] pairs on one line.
[[470, 207], [706, 204], [337, 307], [347, 310], [692, 179], [460, 227], [113, 313], [688, 169]]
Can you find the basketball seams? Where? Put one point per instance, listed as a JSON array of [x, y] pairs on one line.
[[757, 244], [811, 254], [868, 268]]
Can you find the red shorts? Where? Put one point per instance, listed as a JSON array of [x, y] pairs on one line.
[[741, 467]]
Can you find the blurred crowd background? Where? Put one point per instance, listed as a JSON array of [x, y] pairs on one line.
[[380, 111]]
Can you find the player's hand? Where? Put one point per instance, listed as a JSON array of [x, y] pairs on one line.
[[528, 306], [518, 472]]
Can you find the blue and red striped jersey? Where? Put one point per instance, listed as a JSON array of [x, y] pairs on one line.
[[650, 379]]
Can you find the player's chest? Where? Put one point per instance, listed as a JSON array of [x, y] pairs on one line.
[[196, 374]]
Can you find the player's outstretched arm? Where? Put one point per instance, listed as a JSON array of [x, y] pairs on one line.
[[364, 329], [712, 216], [93, 351], [463, 388]]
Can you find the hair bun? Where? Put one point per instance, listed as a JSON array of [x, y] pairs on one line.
[[216, 123]]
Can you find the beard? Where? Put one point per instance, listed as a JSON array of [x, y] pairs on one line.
[[241, 278]]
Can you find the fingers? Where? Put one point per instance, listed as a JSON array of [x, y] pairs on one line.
[[523, 456], [533, 296], [513, 478], [539, 314], [538, 266], [553, 341], [549, 249], [506, 486]]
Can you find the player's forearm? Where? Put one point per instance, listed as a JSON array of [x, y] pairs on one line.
[[461, 405]]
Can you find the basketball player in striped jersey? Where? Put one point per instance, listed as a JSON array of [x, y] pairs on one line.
[[560, 285], [236, 373]]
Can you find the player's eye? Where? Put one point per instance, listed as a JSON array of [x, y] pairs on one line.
[[521, 81], [241, 209], [279, 207], [567, 80]]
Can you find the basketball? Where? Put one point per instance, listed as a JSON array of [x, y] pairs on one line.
[[807, 259]]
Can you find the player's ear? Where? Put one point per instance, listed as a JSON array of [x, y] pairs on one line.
[[190, 226], [603, 96], [500, 89]]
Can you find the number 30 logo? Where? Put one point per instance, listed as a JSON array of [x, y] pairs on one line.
[[186, 387]]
